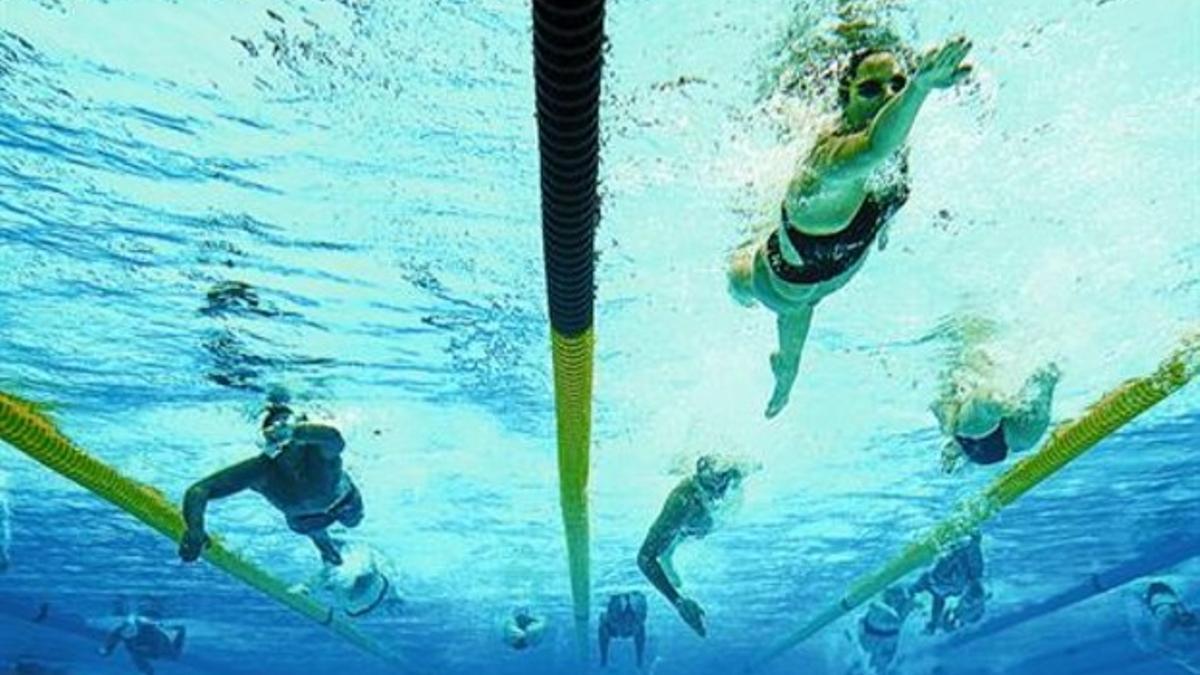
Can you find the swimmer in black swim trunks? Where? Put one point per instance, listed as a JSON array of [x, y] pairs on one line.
[[833, 210], [880, 627], [625, 617], [983, 426], [299, 472], [956, 574]]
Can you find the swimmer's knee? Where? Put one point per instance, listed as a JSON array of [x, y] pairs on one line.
[[739, 279]]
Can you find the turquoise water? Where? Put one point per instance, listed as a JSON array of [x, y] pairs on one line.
[[369, 168]]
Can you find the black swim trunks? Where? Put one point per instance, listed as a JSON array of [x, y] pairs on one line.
[[347, 510], [823, 257], [988, 449]]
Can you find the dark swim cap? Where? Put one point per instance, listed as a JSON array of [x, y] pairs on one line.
[[274, 413], [1157, 588]]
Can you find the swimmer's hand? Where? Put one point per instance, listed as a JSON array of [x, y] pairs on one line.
[[942, 67], [193, 544], [692, 614]]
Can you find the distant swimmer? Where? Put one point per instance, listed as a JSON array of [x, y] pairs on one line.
[[1172, 630], [983, 426], [625, 618], [524, 629], [146, 641], [843, 195], [957, 574], [879, 628], [689, 512], [299, 472]]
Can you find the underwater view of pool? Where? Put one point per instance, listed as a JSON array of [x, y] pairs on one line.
[[273, 284]]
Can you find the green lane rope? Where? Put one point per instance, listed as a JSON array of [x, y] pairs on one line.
[[24, 426], [1070, 440], [573, 410]]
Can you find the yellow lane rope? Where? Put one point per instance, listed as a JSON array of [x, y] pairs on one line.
[[573, 358]]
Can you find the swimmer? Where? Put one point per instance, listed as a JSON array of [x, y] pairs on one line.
[[524, 629], [1174, 630], [840, 199], [879, 628], [687, 513], [299, 472], [957, 574], [624, 618], [145, 640], [984, 427]]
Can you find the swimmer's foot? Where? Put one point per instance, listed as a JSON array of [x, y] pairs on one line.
[[785, 376]]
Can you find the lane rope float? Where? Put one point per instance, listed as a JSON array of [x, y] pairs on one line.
[[568, 41]]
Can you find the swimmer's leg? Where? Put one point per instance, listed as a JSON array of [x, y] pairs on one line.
[[882, 653], [666, 562], [352, 514], [639, 644], [605, 637], [741, 274], [793, 331], [936, 613], [1031, 411], [177, 642], [327, 547]]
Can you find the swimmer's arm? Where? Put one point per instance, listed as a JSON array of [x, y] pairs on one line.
[[658, 541], [328, 439], [852, 157], [226, 482], [111, 642]]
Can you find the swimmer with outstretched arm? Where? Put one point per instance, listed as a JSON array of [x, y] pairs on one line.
[[299, 472], [687, 513], [834, 210]]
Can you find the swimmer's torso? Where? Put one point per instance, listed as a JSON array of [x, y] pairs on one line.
[[625, 614], [302, 480], [695, 518]]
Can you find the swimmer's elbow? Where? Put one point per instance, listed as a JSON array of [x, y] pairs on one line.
[[646, 560], [196, 498]]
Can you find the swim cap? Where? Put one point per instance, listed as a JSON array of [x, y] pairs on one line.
[[1159, 588]]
